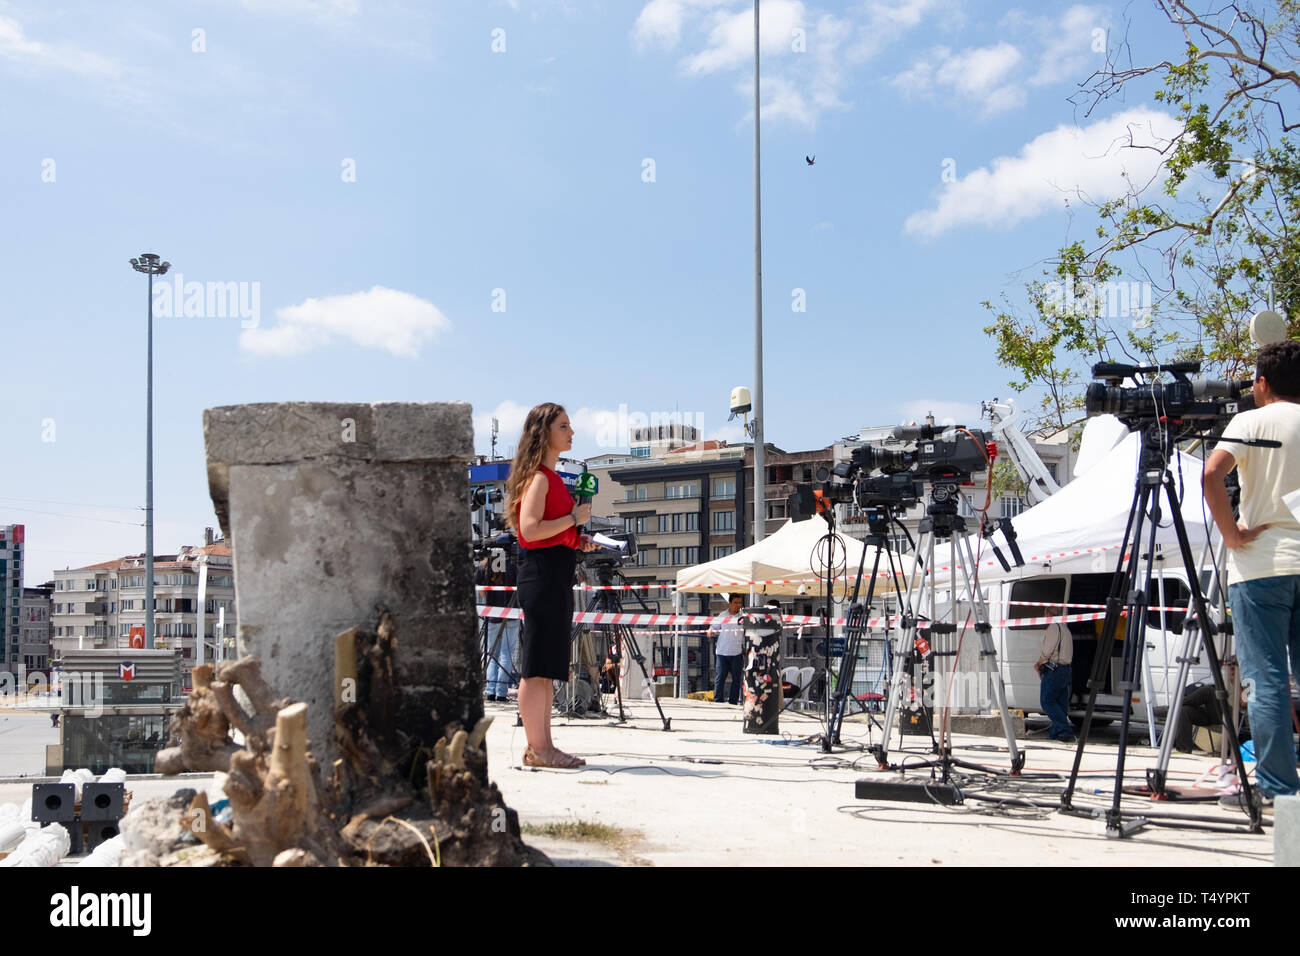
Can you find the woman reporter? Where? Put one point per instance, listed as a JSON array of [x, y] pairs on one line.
[[545, 518]]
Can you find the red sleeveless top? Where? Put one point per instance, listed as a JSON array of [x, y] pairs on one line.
[[558, 504]]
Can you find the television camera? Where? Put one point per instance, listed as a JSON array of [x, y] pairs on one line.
[[1183, 405]]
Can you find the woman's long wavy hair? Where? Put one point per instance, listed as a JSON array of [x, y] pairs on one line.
[[529, 456]]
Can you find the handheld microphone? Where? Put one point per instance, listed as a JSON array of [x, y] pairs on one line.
[[585, 490]]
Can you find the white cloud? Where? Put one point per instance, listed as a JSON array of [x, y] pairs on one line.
[[977, 74], [660, 21], [884, 21], [800, 47], [733, 433], [945, 412], [386, 319], [1093, 161], [1067, 45], [596, 430], [995, 77], [17, 47], [731, 38], [510, 417]]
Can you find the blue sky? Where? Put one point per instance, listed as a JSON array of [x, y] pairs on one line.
[[378, 171]]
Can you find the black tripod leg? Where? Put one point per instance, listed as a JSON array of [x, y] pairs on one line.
[[1216, 668], [1135, 644], [630, 643], [1106, 643], [849, 663]]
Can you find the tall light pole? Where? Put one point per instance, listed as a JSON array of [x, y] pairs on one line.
[[760, 469], [148, 264]]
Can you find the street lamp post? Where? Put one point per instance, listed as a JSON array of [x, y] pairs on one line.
[[760, 469], [149, 264]]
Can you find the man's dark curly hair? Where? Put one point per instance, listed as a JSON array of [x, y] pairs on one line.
[[1279, 363]]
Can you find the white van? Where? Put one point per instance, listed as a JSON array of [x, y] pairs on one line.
[[1018, 645]]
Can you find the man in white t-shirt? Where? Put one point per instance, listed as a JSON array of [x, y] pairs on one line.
[[726, 626], [1264, 558]]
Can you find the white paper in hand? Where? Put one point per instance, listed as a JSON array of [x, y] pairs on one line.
[[1292, 501], [607, 542]]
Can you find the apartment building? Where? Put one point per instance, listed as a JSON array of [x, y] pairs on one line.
[[35, 628], [11, 595], [101, 606]]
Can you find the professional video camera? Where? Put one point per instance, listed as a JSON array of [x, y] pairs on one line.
[[944, 455], [942, 451], [1183, 405], [611, 557], [499, 549]]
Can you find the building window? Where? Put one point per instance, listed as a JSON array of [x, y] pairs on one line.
[[1051, 469], [724, 488], [684, 490], [693, 555], [678, 555], [665, 557], [677, 522], [1012, 506], [642, 558], [663, 523], [724, 521], [693, 521], [640, 525], [776, 509]]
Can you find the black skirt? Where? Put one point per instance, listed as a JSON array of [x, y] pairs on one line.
[[546, 595]]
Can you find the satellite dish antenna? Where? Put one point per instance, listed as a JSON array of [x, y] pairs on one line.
[[1267, 326]]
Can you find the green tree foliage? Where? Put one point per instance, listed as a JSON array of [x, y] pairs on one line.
[[1211, 232]]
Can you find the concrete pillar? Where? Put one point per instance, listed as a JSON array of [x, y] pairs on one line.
[[332, 508], [1286, 831]]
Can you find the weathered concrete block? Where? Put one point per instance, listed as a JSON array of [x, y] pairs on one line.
[[1286, 831], [333, 508], [985, 725]]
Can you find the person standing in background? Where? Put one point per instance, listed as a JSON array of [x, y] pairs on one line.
[[726, 627], [1055, 678]]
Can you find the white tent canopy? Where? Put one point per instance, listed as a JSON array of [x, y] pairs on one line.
[[786, 556], [1079, 529]]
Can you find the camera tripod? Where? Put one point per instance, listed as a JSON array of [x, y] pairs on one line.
[[878, 521], [1133, 593], [492, 650], [606, 601], [943, 523], [1188, 654]]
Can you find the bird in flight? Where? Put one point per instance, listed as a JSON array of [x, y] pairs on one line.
[[810, 160]]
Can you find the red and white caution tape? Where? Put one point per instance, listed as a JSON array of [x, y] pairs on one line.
[[660, 620]]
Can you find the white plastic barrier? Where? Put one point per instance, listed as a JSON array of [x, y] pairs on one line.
[[45, 847], [11, 834], [108, 853]]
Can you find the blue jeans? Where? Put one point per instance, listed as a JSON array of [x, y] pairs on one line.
[[1266, 621], [1054, 696], [727, 664], [501, 667]]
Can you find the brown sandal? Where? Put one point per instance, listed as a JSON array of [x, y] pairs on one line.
[[562, 762]]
